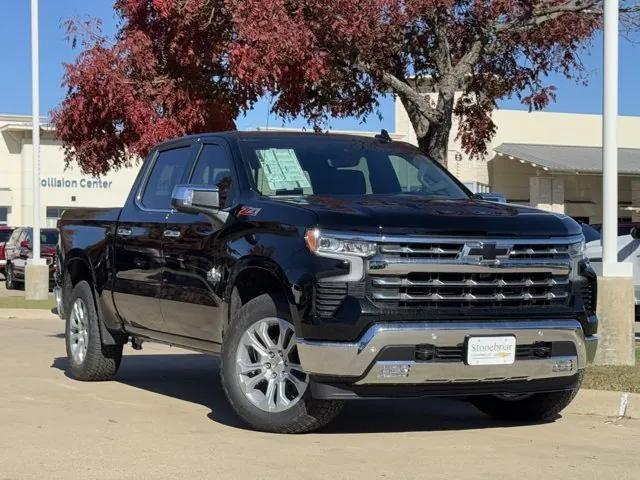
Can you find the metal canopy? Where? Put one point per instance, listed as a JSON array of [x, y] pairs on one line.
[[563, 158]]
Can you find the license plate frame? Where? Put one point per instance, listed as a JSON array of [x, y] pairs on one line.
[[489, 357]]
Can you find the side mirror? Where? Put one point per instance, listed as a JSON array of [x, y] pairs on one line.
[[196, 199], [635, 233], [25, 244]]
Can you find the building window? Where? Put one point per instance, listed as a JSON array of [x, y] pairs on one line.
[[53, 214], [4, 214]]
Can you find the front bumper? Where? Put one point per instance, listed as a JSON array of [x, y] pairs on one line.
[[362, 362]]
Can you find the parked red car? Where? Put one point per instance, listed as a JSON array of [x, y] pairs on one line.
[[19, 249], [5, 233]]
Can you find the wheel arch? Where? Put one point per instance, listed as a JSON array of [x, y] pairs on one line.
[[252, 277]]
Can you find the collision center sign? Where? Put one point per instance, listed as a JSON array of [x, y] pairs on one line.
[[61, 182]]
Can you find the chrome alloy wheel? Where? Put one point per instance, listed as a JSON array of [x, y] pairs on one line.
[[268, 366], [78, 331]]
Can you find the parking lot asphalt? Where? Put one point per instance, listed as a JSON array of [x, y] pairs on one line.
[[165, 416]]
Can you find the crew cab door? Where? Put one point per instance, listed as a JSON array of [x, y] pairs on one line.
[[191, 293], [138, 259]]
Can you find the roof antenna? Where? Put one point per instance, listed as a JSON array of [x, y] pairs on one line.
[[383, 136]]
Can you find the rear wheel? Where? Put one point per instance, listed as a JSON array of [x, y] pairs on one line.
[[262, 376], [89, 359], [525, 407]]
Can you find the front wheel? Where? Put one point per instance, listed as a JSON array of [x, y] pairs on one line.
[[525, 407], [262, 376]]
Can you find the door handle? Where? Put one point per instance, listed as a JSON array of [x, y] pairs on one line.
[[172, 233], [124, 232]]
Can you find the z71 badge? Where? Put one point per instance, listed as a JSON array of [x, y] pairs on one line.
[[248, 212]]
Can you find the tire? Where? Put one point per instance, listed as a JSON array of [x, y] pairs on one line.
[[10, 282], [533, 407], [88, 359], [303, 413]]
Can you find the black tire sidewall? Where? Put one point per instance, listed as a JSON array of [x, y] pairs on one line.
[[83, 290], [9, 280], [257, 309]]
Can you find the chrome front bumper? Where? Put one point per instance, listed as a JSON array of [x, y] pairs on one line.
[[358, 359]]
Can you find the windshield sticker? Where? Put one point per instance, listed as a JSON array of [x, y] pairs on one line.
[[282, 169]]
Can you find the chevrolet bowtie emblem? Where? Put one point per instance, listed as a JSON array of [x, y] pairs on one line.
[[485, 252]]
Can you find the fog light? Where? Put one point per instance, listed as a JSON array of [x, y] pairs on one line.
[[395, 370], [563, 365]]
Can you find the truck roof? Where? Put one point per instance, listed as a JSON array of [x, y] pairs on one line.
[[238, 135]]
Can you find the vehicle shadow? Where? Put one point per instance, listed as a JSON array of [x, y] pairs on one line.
[[194, 378]]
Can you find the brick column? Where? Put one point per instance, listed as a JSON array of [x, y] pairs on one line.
[[547, 193]]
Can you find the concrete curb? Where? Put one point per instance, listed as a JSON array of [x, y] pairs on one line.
[[605, 404]]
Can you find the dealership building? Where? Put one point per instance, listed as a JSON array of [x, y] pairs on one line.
[[547, 160], [60, 186]]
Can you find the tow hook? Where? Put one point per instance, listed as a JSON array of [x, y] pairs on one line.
[[136, 344]]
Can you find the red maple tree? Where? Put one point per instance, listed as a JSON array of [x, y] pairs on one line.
[[165, 74], [186, 66]]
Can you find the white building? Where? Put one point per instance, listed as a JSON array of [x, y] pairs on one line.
[[547, 160], [60, 187]]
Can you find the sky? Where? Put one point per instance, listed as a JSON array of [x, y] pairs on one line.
[[15, 70]]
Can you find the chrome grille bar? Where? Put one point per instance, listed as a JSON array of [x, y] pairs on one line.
[[407, 297], [436, 282], [403, 249]]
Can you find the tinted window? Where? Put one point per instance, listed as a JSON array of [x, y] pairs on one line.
[[47, 236], [345, 166], [4, 235], [166, 174], [214, 169]]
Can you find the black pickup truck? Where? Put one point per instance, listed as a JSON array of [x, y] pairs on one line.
[[324, 268]]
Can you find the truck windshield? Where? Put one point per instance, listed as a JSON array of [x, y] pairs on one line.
[[327, 165]]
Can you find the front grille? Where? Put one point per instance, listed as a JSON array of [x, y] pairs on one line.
[[422, 250], [469, 289], [328, 298], [467, 273], [536, 251], [451, 250]]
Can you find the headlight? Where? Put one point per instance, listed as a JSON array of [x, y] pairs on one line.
[[332, 244], [577, 249], [577, 255]]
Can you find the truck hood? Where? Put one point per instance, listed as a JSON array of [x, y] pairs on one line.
[[413, 214]]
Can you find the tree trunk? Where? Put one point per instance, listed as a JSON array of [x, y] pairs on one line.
[[432, 127]]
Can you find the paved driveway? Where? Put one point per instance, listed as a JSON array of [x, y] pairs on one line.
[[166, 417]]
